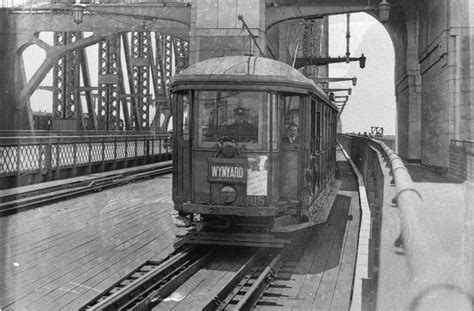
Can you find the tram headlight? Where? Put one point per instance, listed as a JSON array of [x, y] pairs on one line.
[[228, 194]]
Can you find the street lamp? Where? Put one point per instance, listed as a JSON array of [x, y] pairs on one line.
[[78, 11], [384, 11]]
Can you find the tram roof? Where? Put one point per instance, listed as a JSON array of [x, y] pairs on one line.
[[238, 71]]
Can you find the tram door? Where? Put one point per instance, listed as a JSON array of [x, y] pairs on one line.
[[292, 132], [181, 148], [315, 146]]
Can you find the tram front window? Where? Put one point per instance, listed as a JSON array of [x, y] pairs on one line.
[[230, 116]]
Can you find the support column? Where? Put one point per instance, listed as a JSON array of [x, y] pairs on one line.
[[216, 30], [445, 66], [11, 79], [404, 29]]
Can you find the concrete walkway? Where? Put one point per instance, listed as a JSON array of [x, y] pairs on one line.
[[448, 212]]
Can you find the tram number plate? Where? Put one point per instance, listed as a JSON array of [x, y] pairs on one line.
[[256, 200]]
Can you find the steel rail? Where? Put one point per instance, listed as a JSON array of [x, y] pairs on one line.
[[257, 288], [148, 290], [220, 301], [434, 275]]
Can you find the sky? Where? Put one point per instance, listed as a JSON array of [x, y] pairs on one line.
[[372, 102]]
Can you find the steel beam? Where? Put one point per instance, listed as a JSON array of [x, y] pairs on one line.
[[91, 113], [181, 53], [109, 83], [140, 74], [72, 101], [111, 18], [59, 79], [132, 112]]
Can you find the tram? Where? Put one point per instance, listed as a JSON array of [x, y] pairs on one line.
[[254, 146]]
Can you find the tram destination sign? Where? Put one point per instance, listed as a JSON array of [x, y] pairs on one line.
[[227, 170]]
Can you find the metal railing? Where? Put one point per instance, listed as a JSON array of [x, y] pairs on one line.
[[435, 279], [23, 133], [48, 155], [468, 144]]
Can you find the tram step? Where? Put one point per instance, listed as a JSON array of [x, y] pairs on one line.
[[238, 239]]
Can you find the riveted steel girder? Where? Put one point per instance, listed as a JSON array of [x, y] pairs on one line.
[[141, 49], [109, 84], [66, 99], [181, 52], [59, 79]]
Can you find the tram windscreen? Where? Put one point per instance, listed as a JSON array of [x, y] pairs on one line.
[[230, 115]]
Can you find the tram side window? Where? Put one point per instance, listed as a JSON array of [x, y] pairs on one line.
[[275, 120], [291, 118], [230, 116], [185, 126]]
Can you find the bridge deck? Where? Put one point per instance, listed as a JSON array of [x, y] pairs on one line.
[[320, 276], [447, 212], [62, 255]]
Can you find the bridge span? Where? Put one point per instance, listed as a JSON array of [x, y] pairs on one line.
[[389, 243], [399, 235]]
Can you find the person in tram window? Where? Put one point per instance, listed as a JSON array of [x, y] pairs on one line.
[[291, 134]]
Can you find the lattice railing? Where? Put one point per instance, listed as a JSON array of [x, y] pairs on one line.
[[20, 155]]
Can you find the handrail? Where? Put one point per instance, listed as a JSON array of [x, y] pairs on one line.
[[467, 144], [45, 154], [48, 133], [435, 281], [81, 137]]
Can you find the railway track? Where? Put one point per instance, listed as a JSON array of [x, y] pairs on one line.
[[152, 282], [247, 288], [15, 204]]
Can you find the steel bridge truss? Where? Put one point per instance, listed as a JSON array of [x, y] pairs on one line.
[[66, 99], [150, 59]]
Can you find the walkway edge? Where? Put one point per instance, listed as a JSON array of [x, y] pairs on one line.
[[362, 261]]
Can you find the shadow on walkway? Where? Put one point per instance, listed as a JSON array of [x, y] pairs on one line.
[[421, 173]]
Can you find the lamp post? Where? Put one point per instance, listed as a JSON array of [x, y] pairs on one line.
[[78, 11], [384, 11]]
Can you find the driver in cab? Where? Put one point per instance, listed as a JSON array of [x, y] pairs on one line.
[[241, 127]]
